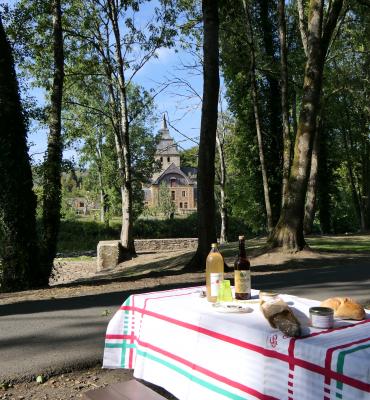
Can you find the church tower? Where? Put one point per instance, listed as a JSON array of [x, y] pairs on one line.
[[167, 151]]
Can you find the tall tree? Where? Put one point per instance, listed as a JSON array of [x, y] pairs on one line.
[[207, 142], [18, 239], [310, 205], [222, 176], [288, 233], [257, 117], [54, 152], [284, 98], [113, 34]]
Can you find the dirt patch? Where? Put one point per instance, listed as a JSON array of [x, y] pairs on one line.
[[70, 385], [146, 272]]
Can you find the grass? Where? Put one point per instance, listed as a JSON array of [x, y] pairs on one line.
[[340, 243], [79, 258], [84, 234]]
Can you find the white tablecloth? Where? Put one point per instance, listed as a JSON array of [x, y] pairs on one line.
[[177, 340]]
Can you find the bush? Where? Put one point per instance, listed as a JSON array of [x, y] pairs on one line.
[[82, 234]]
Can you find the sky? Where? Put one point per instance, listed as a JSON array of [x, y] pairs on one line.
[[182, 111]]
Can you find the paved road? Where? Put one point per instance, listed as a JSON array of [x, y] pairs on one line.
[[49, 335]]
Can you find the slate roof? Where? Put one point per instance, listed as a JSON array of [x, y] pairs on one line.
[[173, 169]]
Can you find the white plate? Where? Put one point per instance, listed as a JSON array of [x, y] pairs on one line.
[[231, 308]]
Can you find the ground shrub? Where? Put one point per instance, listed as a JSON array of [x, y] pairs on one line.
[[83, 234]]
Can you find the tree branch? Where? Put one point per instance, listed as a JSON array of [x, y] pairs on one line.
[[302, 26], [331, 22]]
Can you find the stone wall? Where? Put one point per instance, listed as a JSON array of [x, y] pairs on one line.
[[142, 245]]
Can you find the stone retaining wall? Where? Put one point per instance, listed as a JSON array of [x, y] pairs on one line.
[[174, 244]]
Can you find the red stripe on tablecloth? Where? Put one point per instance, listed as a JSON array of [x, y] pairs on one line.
[[365, 321], [329, 354], [117, 336], [258, 349], [291, 365], [209, 373], [293, 341], [195, 367], [169, 291]]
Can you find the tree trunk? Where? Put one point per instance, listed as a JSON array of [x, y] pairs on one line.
[[54, 153], [223, 207], [310, 206], [288, 233], [104, 217], [284, 99], [324, 180], [18, 239], [207, 142], [127, 239], [356, 195], [273, 129], [257, 120]]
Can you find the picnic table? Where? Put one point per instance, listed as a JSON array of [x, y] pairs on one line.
[[177, 340]]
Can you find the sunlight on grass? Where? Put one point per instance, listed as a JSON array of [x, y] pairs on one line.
[[357, 244]]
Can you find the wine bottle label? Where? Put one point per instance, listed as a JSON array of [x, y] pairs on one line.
[[215, 283], [242, 281]]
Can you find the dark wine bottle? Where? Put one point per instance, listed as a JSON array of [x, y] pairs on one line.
[[242, 273]]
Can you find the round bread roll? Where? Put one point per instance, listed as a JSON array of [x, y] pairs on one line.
[[345, 308]]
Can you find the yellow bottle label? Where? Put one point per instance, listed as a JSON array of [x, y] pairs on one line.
[[242, 281]]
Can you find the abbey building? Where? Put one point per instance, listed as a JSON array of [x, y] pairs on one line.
[[181, 181]]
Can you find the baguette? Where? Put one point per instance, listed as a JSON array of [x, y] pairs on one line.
[[281, 317], [345, 308]]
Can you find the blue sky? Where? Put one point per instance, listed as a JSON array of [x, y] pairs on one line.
[[182, 111]]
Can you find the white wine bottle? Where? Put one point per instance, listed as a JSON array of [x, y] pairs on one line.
[[214, 272]]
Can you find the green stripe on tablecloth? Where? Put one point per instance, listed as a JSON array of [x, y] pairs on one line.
[[190, 376], [125, 332], [340, 364], [122, 345]]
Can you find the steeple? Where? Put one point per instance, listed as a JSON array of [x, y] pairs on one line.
[[164, 123]]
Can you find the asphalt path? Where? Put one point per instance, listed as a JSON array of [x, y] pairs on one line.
[[41, 336]]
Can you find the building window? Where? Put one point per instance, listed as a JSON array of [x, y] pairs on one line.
[[173, 182], [82, 204], [161, 159], [180, 205], [168, 159], [185, 205], [183, 193], [173, 195]]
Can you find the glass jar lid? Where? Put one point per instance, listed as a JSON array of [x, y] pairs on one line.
[[321, 310]]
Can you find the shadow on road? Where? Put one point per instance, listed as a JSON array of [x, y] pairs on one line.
[[349, 275]]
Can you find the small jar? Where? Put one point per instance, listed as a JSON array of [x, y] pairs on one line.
[[268, 296], [322, 317]]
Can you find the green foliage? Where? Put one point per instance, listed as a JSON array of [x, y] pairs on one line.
[[166, 206], [83, 234], [189, 157], [18, 244]]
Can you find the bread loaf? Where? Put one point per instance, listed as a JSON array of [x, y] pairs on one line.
[[281, 317], [345, 308]]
